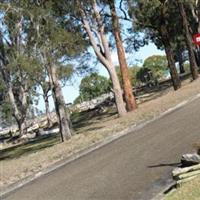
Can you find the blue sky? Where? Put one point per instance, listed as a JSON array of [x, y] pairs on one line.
[[71, 92]]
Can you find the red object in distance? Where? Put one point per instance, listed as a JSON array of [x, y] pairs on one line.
[[196, 39]]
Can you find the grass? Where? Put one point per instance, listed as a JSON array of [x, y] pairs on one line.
[[81, 121], [29, 147], [188, 191], [89, 127]]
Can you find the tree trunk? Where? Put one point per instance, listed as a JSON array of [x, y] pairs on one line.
[[180, 61], [168, 47], [19, 105], [188, 38], [46, 87], [103, 57], [59, 104], [21, 125], [128, 88], [196, 29], [46, 101], [197, 55], [117, 90], [170, 57], [16, 113]]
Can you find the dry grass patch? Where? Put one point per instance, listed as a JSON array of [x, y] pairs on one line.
[[188, 191]]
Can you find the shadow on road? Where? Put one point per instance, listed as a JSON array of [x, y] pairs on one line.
[[166, 165]]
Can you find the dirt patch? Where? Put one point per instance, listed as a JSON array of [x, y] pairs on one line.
[[95, 130]]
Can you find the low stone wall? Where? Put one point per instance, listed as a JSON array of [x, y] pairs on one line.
[[87, 105]]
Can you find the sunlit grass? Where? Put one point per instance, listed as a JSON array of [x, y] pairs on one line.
[[188, 191]]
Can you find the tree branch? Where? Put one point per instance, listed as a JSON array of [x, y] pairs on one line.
[[91, 37], [123, 11]]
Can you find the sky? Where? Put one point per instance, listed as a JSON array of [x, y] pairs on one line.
[[72, 91]]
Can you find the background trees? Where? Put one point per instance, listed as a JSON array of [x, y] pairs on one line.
[[42, 42], [35, 46], [158, 66], [153, 18], [17, 63], [93, 86]]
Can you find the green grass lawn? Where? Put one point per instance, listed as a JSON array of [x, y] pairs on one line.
[[188, 191]]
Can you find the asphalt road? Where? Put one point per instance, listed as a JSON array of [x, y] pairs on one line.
[[133, 167]]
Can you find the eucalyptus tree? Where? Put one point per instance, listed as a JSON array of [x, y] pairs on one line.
[[193, 8], [98, 27], [188, 38], [42, 81], [32, 42], [152, 17], [16, 61], [88, 14], [55, 44], [127, 86]]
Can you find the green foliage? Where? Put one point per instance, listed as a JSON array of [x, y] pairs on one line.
[[157, 64], [132, 74], [6, 111], [144, 75], [149, 15], [93, 86], [36, 34], [65, 73], [186, 67]]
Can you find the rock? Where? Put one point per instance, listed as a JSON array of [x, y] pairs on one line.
[[28, 136], [52, 131], [190, 159]]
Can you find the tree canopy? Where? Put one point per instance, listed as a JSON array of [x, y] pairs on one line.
[[93, 86], [157, 64]]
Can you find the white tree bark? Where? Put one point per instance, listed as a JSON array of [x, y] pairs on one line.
[[105, 56], [64, 123]]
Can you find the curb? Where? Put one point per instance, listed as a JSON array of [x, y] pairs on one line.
[[11, 188]]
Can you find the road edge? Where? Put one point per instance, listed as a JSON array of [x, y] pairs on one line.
[[11, 188]]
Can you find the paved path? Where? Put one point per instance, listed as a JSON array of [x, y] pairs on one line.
[[132, 168]]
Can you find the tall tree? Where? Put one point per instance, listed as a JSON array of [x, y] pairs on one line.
[[94, 26], [52, 42], [168, 48], [35, 37], [194, 7], [127, 86], [16, 62], [152, 17], [63, 116], [188, 38], [58, 42]]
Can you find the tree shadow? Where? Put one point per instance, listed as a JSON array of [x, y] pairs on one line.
[[90, 117], [177, 164], [29, 147], [94, 128]]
